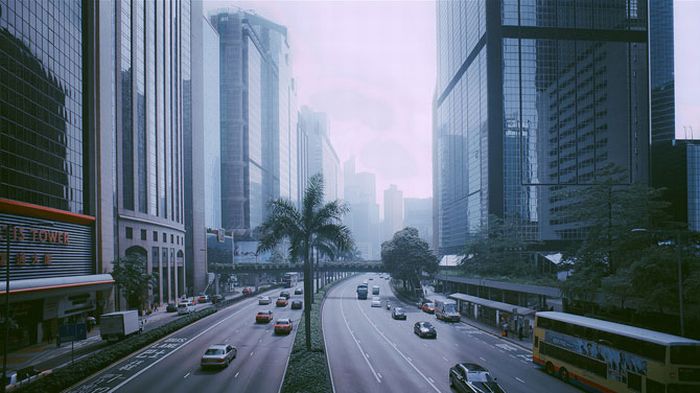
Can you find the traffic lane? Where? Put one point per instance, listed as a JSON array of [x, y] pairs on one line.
[[367, 361], [460, 342], [126, 370], [259, 364]]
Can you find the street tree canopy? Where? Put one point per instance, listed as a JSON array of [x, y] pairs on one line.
[[131, 276], [406, 256]]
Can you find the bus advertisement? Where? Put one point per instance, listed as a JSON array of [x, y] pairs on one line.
[[603, 356]]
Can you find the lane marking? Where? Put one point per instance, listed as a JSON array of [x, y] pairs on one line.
[[482, 358], [444, 358], [143, 370], [252, 353], [431, 380], [342, 312], [186, 375], [236, 376], [357, 302], [520, 380]]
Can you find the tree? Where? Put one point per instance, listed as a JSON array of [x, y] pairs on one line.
[[316, 226], [406, 256], [131, 277], [497, 249]]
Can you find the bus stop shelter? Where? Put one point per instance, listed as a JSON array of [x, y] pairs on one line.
[[497, 314]]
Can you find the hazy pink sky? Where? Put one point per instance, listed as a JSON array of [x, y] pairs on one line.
[[371, 66]]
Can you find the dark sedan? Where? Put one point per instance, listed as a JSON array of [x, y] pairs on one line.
[[424, 329], [472, 378], [398, 313], [297, 305]]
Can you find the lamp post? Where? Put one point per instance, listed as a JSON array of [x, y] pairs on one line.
[[677, 236]]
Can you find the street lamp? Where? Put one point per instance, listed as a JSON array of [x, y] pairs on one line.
[[680, 270]]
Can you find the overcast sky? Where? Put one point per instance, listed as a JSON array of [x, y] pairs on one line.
[[371, 66]]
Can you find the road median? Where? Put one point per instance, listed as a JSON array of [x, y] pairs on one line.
[[307, 371]]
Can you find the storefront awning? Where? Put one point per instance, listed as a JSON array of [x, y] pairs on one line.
[[42, 287], [492, 304]]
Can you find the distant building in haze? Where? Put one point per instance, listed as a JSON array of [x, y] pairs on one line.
[[363, 219], [418, 213], [322, 157], [393, 212]]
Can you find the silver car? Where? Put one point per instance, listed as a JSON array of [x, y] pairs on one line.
[[376, 302], [219, 355], [262, 300]]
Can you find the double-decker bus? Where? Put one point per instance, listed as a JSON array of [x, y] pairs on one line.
[[602, 356], [290, 280]]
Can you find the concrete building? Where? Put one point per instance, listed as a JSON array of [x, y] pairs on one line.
[[533, 102], [418, 213], [258, 132], [322, 157], [145, 111], [393, 212], [49, 200], [363, 220]]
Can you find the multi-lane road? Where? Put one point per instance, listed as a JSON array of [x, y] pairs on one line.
[[368, 351], [172, 365]]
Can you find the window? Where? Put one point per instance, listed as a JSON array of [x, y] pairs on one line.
[[165, 238], [634, 381], [597, 367], [172, 239], [144, 234], [129, 232], [685, 354], [655, 387], [155, 236]]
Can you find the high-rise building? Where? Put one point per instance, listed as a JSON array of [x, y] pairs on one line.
[[363, 219], [258, 130], [322, 157], [146, 111], [418, 213], [534, 101], [200, 136], [48, 188], [393, 212]]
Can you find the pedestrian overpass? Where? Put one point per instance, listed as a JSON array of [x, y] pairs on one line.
[[332, 266]]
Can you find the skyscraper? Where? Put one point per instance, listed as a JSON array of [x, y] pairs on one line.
[[145, 111], [258, 132], [418, 213], [393, 212], [535, 100], [48, 189], [363, 219], [322, 157]]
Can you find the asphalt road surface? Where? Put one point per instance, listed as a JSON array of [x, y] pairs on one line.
[[368, 351], [172, 365]]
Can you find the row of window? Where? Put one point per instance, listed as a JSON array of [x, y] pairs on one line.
[[174, 239]]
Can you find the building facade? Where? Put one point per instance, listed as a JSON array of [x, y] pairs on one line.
[[418, 213], [321, 156], [48, 199], [534, 101], [359, 192], [393, 212], [212, 125], [145, 106], [258, 131]]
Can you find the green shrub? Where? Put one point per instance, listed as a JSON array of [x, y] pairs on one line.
[[76, 372], [308, 370]]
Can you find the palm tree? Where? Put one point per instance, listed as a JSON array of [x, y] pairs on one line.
[[315, 226]]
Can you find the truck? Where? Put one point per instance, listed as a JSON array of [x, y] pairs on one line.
[[118, 325], [362, 291], [375, 290], [446, 310]]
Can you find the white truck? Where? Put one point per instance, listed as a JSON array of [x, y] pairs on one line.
[[446, 310], [117, 325], [375, 290]]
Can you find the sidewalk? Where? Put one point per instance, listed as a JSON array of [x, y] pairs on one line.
[[525, 343], [45, 356]]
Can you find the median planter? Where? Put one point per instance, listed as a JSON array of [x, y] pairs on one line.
[[70, 375], [307, 371]]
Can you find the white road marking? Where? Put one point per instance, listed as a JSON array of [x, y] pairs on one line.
[[380, 375], [512, 356], [252, 353], [431, 380], [236, 376], [186, 375], [143, 370], [357, 302], [342, 313], [445, 359], [482, 358], [520, 380]]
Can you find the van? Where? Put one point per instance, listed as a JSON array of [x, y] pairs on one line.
[[185, 308], [375, 290]]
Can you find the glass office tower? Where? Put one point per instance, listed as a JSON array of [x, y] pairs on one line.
[[535, 99]]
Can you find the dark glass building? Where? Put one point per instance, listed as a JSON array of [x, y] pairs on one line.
[[47, 186], [534, 100]]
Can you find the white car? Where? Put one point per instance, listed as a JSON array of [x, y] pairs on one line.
[[376, 302], [218, 355], [262, 300], [185, 307]]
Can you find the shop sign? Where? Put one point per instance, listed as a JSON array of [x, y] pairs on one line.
[[43, 248]]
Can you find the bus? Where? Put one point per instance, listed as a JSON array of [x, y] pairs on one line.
[[290, 280], [602, 356]]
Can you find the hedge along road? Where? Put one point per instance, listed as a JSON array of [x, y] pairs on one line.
[[172, 364]]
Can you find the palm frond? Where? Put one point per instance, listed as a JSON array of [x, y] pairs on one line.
[[283, 222], [330, 213], [313, 198], [337, 234]]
